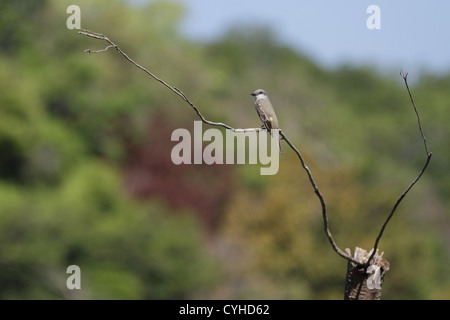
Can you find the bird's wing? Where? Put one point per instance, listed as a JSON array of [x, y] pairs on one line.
[[262, 115]]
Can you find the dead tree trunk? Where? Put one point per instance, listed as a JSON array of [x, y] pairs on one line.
[[364, 282]]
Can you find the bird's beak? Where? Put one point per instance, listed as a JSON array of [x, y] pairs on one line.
[[252, 94]]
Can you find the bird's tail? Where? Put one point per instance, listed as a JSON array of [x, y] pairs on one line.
[[279, 143], [276, 133]]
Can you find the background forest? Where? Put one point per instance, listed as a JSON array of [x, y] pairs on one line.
[[86, 176]]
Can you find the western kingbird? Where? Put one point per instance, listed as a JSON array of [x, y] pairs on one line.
[[266, 113]]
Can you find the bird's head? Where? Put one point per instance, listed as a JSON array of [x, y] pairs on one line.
[[259, 93]]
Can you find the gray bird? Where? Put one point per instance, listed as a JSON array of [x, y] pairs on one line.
[[266, 113]]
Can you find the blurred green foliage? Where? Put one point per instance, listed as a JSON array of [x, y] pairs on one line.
[[86, 176]]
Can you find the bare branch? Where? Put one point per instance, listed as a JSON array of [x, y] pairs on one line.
[[322, 203], [429, 154], [405, 76], [173, 89]]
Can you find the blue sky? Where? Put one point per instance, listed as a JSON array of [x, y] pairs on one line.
[[414, 35]]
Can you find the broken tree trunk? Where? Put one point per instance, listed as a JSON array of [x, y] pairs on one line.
[[364, 282]]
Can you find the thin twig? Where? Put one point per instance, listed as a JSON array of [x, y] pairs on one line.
[[405, 76], [429, 154]]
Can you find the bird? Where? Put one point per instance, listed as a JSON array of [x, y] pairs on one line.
[[266, 113]]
